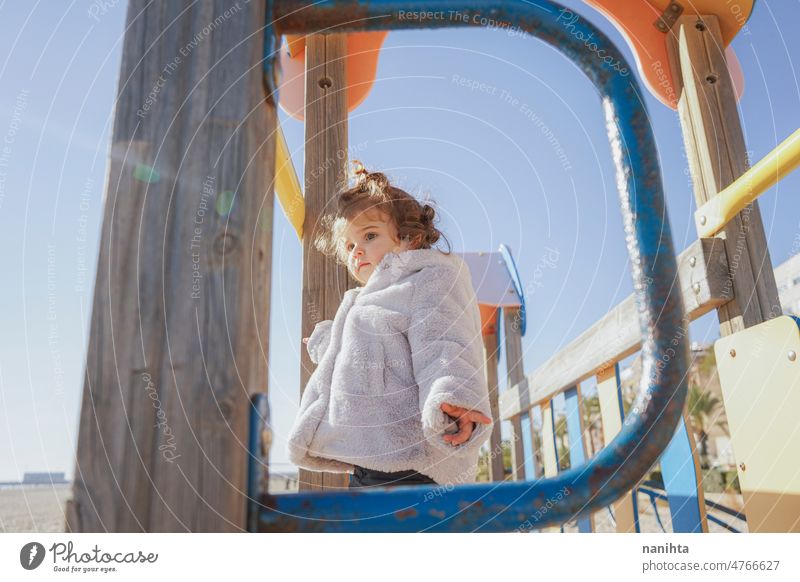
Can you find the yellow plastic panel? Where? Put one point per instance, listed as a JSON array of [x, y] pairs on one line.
[[759, 371]]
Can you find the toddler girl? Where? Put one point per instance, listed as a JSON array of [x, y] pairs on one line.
[[399, 395]]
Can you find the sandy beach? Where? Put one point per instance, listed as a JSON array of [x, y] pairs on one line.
[[33, 508]]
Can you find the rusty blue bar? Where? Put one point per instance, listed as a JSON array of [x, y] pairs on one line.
[[657, 408]]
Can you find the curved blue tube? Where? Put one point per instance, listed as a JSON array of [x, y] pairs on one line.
[[657, 408]]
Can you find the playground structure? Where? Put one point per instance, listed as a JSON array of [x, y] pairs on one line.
[[196, 460]]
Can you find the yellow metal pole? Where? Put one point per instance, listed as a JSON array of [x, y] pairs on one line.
[[287, 186], [712, 216]]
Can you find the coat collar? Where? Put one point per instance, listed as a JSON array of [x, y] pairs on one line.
[[398, 265]]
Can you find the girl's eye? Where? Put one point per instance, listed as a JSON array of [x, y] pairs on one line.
[[370, 234]]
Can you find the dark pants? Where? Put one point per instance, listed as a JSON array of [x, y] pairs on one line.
[[370, 478]]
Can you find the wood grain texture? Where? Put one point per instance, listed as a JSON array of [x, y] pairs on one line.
[[514, 375], [717, 156], [611, 410], [496, 469], [324, 282], [180, 320]]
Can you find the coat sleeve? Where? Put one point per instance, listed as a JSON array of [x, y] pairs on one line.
[[318, 340], [447, 355]]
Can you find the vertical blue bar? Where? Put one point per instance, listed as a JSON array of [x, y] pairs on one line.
[[527, 446], [577, 457], [681, 482]]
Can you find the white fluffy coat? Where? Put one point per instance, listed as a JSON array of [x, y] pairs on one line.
[[397, 348]]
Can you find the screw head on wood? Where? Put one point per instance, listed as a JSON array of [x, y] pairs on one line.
[[696, 287], [792, 355], [703, 220], [732, 353], [742, 466], [692, 261]]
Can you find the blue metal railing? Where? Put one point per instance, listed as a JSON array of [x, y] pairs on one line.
[[655, 491], [657, 408]]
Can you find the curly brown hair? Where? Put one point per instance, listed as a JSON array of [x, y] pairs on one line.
[[373, 194]]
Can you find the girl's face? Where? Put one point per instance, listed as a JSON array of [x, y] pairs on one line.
[[367, 238]]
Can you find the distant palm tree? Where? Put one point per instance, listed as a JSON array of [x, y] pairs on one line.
[[562, 441], [591, 414], [703, 406]]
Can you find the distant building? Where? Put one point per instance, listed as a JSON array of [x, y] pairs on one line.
[[42, 478], [787, 277]]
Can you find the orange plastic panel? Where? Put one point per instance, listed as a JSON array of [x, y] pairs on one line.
[[363, 49], [635, 19]]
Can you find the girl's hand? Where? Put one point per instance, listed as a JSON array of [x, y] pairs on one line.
[[465, 418], [305, 340]]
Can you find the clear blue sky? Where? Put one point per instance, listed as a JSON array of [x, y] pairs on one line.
[[494, 173]]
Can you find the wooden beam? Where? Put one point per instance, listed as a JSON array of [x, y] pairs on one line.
[[609, 392], [324, 282], [717, 156], [515, 375], [702, 272], [180, 319], [495, 458]]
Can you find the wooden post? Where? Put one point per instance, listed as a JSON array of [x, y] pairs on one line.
[[515, 375], [609, 392], [180, 320], [324, 282], [495, 459], [717, 156]]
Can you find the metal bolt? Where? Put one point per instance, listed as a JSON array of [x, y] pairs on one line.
[[742, 466], [692, 261], [733, 353], [703, 220], [792, 355], [675, 7], [700, 25], [696, 287]]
